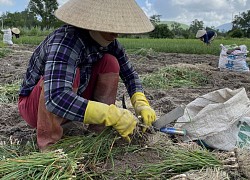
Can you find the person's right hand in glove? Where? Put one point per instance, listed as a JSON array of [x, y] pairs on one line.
[[122, 120]]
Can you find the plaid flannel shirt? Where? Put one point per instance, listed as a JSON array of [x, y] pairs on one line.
[[57, 58]]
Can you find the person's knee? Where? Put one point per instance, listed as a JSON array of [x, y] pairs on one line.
[[111, 63]]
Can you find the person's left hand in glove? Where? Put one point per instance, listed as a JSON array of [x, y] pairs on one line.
[[143, 109]]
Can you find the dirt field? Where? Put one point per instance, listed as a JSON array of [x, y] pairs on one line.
[[13, 66]]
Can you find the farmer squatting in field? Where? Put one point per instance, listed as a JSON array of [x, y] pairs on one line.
[[206, 36], [73, 74], [15, 32]]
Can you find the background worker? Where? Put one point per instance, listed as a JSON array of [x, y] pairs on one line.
[[15, 32], [206, 36], [73, 74]]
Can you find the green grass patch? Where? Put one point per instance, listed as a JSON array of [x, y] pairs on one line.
[[72, 156], [51, 165], [31, 40], [3, 50], [86, 157], [142, 51], [35, 31], [9, 92], [173, 77], [2, 44], [176, 161], [186, 46]]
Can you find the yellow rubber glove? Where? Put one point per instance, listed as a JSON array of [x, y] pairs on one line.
[[142, 108], [122, 120]]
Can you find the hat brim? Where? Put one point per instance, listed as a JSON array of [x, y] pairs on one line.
[[120, 16], [15, 30], [200, 33]]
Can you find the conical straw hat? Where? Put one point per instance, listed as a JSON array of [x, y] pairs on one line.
[[117, 16], [200, 33], [15, 30]]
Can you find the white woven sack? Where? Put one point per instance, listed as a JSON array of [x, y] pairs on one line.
[[233, 62], [214, 118], [7, 36]]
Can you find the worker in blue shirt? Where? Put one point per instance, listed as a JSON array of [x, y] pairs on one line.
[[206, 36]]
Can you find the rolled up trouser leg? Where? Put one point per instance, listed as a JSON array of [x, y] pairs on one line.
[[28, 106], [49, 129]]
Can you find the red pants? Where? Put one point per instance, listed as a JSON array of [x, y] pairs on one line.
[[28, 106]]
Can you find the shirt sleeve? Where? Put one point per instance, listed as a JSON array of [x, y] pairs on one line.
[[127, 72], [206, 38], [63, 54]]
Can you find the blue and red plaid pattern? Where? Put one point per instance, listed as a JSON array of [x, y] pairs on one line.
[[57, 58]]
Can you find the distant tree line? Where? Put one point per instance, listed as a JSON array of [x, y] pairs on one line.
[[240, 29], [241, 25], [39, 13]]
